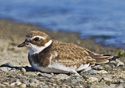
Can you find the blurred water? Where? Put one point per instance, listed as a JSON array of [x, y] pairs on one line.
[[104, 19]]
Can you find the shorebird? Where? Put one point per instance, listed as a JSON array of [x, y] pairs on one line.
[[54, 56]]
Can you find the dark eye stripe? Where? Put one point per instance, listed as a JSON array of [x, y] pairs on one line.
[[36, 39]]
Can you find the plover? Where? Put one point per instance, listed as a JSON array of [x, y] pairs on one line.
[[49, 55]]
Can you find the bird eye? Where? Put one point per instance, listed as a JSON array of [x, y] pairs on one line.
[[36, 39]]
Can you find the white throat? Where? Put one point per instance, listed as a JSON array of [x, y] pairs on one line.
[[36, 49]]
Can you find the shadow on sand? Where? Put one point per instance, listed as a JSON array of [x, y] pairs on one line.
[[28, 69]]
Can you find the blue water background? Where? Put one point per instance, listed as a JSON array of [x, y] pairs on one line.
[[104, 19]]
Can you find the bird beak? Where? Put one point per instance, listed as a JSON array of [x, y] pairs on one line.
[[23, 44]]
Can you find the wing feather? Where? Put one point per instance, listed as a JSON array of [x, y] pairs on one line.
[[71, 54]]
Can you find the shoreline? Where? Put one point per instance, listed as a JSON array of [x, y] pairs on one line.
[[14, 62], [11, 29]]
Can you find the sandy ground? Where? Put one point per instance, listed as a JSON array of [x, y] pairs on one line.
[[15, 70]]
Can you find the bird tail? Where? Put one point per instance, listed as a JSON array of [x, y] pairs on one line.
[[100, 58], [105, 59]]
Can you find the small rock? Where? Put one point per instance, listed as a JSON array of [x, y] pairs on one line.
[[45, 86], [52, 80], [116, 86], [63, 86], [52, 74], [13, 69], [120, 86], [120, 64], [33, 80], [62, 76], [45, 75], [23, 70], [2, 86], [81, 86], [26, 82], [23, 86], [54, 84], [107, 79], [100, 86], [117, 60], [5, 69], [107, 66], [42, 83], [34, 85], [113, 62], [92, 79], [102, 72], [112, 86], [90, 72], [6, 84], [98, 67], [48, 83], [74, 80], [70, 87], [15, 84]]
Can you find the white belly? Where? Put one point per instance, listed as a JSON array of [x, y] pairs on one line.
[[59, 68]]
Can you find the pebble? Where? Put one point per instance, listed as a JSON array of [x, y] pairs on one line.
[[2, 86], [107, 66], [62, 76], [33, 80], [92, 79], [102, 72], [54, 84], [25, 81], [23, 70], [63, 86], [81, 86], [6, 84], [33, 85], [98, 67], [90, 72], [45, 75], [113, 62], [15, 84], [48, 83], [116, 86], [120, 86], [22, 86], [120, 64], [100, 86], [93, 72], [117, 60], [52, 74], [107, 79], [45, 86], [5, 69], [73, 80]]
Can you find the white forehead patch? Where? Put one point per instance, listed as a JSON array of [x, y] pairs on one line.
[[39, 37], [28, 38]]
